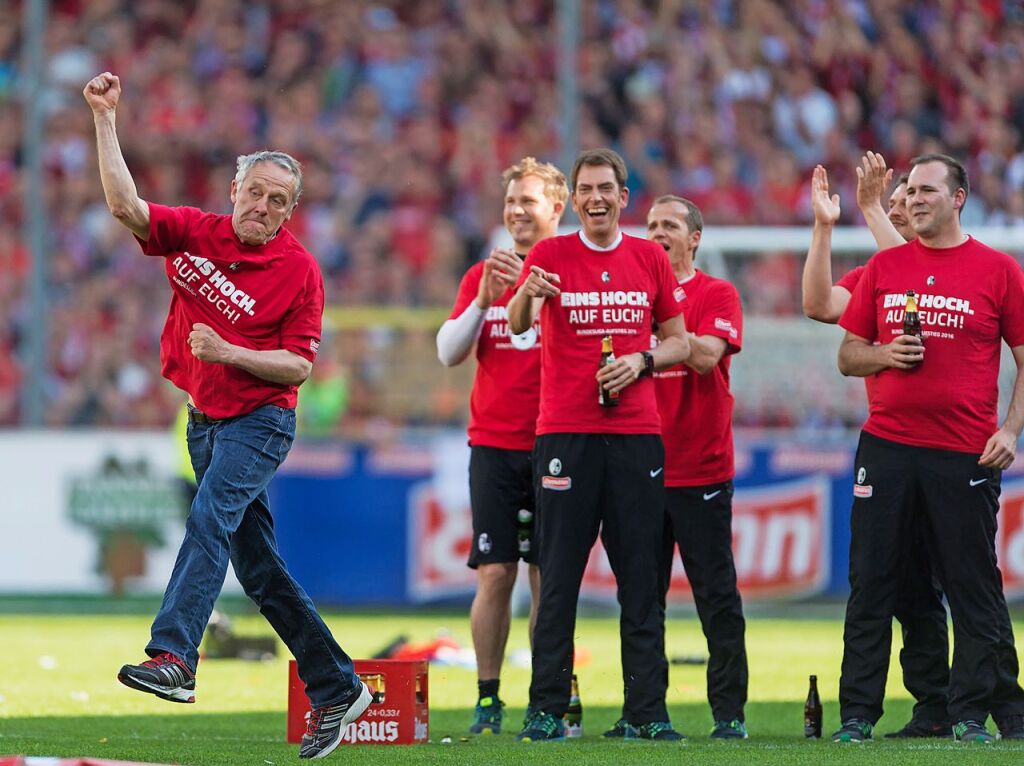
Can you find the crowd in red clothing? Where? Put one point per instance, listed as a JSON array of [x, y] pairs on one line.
[[405, 113]]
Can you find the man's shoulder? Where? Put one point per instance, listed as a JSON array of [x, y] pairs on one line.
[[716, 285], [557, 243], [980, 250], [296, 254], [642, 245]]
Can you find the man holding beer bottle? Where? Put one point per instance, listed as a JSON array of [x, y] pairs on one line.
[[599, 468], [919, 606], [931, 445]]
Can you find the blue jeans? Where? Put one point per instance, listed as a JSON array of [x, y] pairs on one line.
[[234, 461]]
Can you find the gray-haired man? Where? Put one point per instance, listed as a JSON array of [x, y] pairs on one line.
[[241, 335]]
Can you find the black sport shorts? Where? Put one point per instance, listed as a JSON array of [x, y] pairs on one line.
[[502, 499]]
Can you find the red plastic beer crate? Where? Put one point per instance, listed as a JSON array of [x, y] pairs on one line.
[[399, 714]]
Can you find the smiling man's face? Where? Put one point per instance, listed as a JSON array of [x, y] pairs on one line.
[[598, 201]]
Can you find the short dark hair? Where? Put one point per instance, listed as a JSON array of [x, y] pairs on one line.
[[956, 175], [694, 220], [903, 178], [597, 158]]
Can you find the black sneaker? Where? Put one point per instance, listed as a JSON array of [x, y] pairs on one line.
[[327, 724], [657, 730], [729, 730], [972, 731], [1011, 727], [919, 728], [487, 717], [166, 676], [619, 730], [542, 727], [853, 730]]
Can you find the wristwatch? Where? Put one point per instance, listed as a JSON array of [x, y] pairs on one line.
[[648, 364]]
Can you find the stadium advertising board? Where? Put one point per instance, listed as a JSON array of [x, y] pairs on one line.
[[781, 539], [1010, 539]]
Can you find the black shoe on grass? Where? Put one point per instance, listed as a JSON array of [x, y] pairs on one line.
[[542, 727], [166, 676], [919, 728], [619, 730], [735, 729], [853, 730], [972, 731], [661, 731], [487, 716]]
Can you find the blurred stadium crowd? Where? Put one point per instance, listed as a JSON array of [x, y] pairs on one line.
[[405, 113]]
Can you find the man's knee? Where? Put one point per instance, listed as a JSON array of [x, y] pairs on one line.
[[496, 580]]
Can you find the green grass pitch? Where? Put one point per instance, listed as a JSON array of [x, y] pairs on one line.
[[59, 696]]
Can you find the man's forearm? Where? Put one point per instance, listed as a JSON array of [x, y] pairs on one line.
[[671, 351], [277, 366], [817, 277], [522, 312], [881, 227], [118, 185], [705, 352], [861, 359], [1014, 421]]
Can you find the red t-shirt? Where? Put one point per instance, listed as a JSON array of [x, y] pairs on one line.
[[970, 296], [614, 292], [696, 410], [506, 390], [262, 298]]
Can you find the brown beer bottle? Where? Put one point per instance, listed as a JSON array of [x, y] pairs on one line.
[[606, 398], [812, 711], [574, 713], [911, 317]]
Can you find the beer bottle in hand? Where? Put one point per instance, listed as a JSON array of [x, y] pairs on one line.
[[911, 317], [812, 711], [604, 397]]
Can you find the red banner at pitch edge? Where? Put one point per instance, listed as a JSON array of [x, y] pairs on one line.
[[21, 760], [1010, 538], [780, 540]]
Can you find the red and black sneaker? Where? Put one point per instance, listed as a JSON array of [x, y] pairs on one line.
[[166, 676], [327, 725]]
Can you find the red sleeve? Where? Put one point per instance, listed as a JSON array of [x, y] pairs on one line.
[[722, 316], [861, 314], [664, 306], [1012, 318], [850, 279], [168, 228], [301, 328], [468, 289]]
